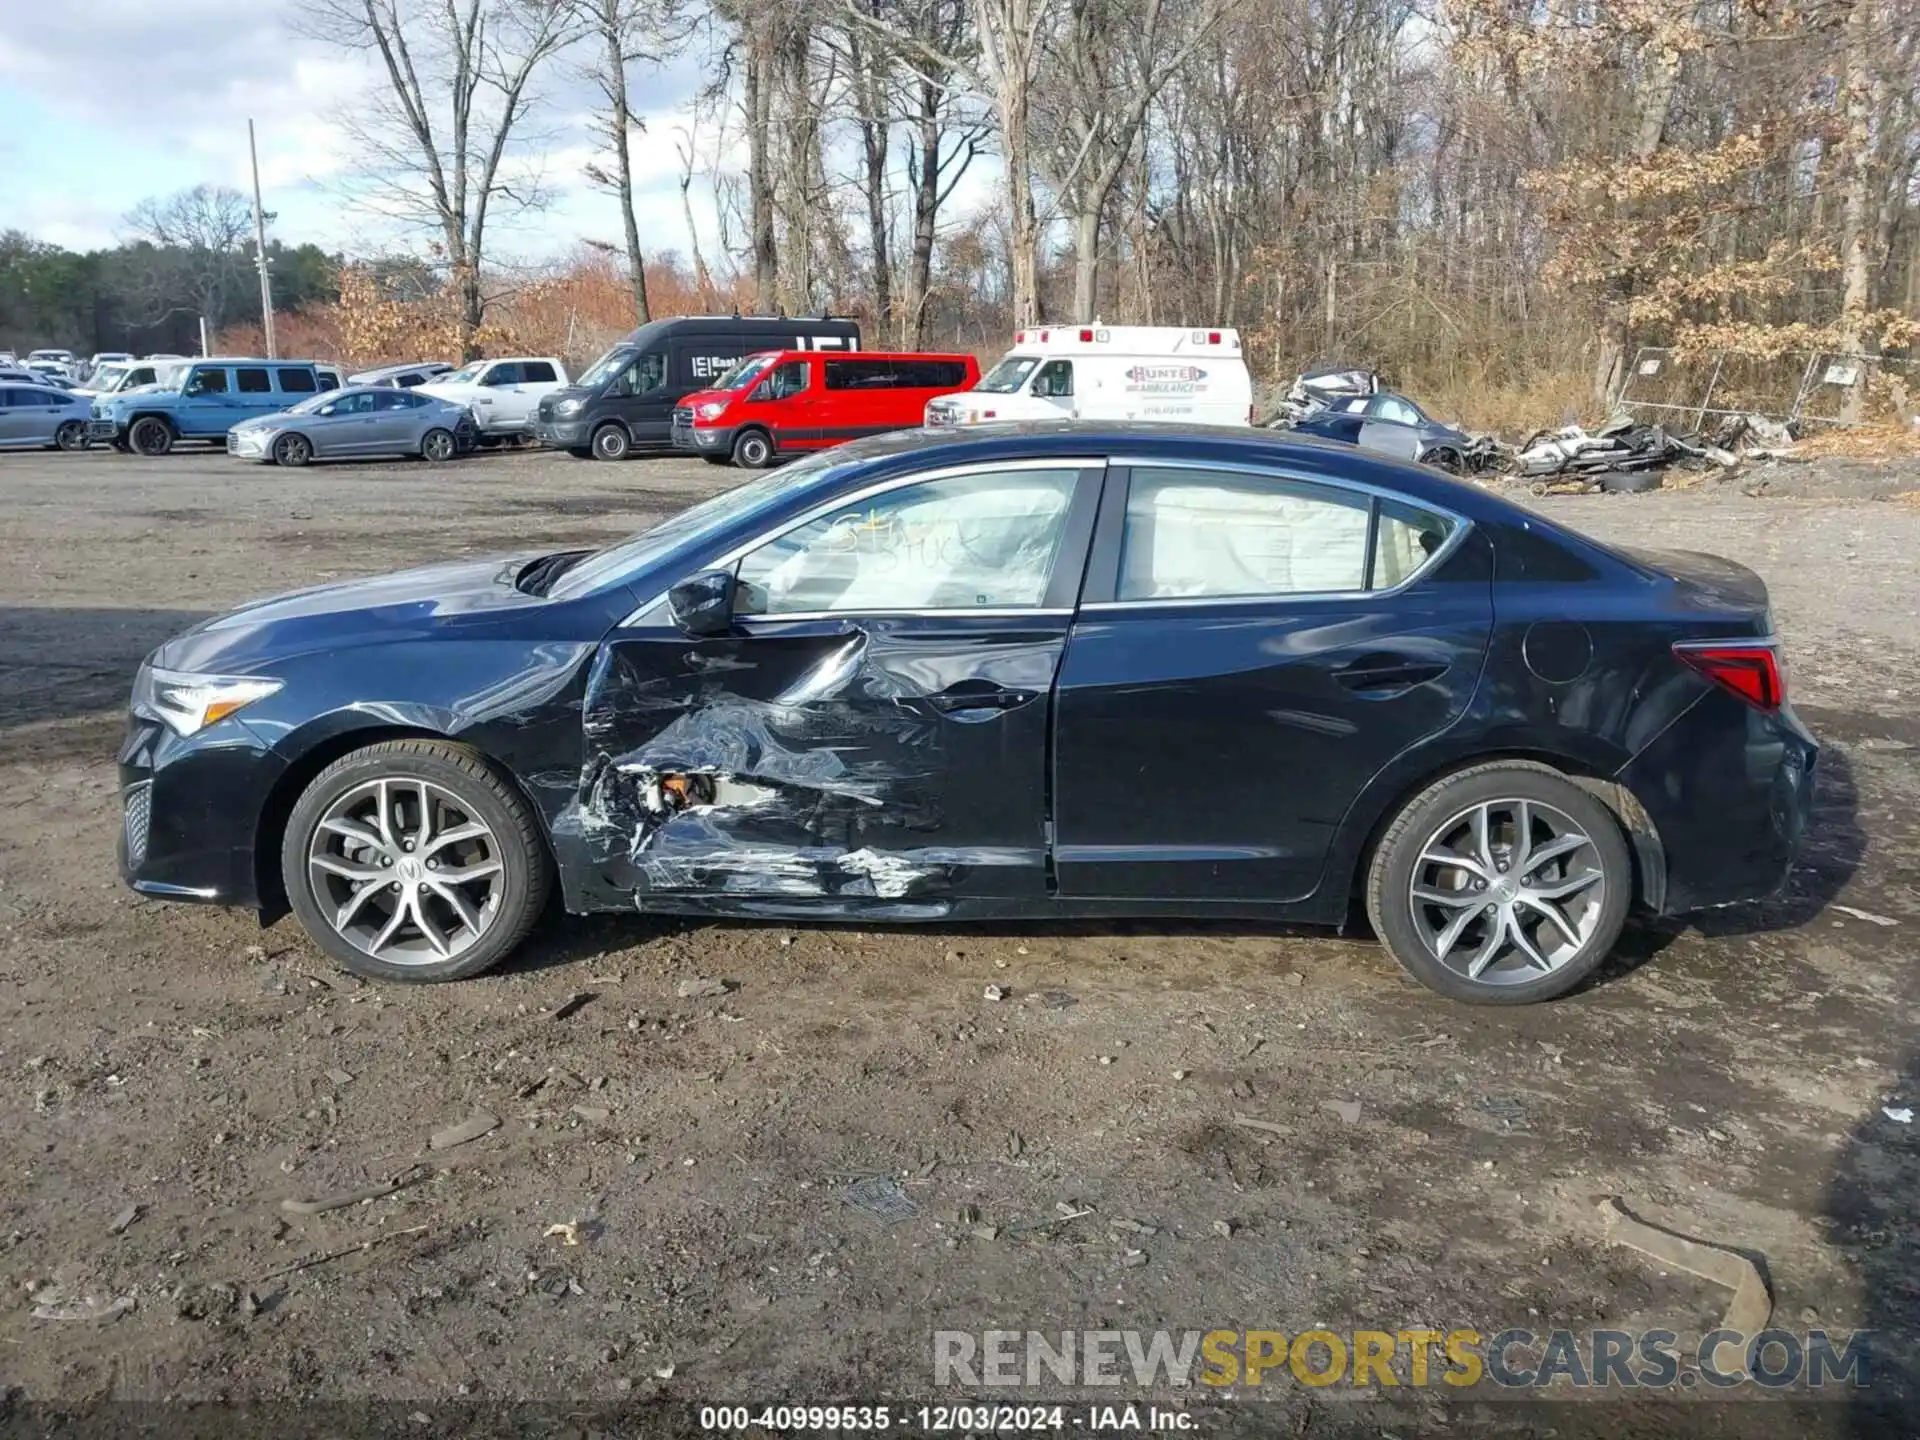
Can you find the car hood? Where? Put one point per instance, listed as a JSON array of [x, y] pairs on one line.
[[459, 394], [270, 422], [706, 397], [382, 609]]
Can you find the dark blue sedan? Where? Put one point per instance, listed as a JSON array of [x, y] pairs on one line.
[[1021, 672]]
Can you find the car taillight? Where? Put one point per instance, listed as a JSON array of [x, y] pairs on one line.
[[1753, 672]]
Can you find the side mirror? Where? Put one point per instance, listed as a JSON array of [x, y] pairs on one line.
[[702, 605]]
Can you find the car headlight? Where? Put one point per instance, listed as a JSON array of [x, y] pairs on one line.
[[712, 410], [569, 407], [189, 703]]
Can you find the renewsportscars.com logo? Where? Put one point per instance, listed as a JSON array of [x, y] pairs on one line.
[[1513, 1359]]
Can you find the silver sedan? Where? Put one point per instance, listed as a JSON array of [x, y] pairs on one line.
[[354, 424], [40, 417]]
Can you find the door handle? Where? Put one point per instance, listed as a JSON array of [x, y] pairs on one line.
[[1389, 672], [997, 697]]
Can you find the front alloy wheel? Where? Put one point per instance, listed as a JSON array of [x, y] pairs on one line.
[[292, 451], [414, 860], [1502, 884], [753, 450], [150, 435]]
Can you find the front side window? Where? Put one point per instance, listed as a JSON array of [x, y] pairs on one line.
[[297, 382], [648, 372], [984, 541], [1193, 534], [251, 381], [506, 374], [207, 382], [788, 379], [1055, 380], [360, 402]]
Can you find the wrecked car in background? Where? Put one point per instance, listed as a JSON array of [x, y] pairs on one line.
[[961, 677], [1315, 389], [1394, 425]]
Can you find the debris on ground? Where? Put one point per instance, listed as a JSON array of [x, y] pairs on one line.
[[567, 1230], [339, 1076], [1884, 921], [1347, 1110], [1751, 1305], [1900, 1115], [329, 1256], [881, 1196], [1248, 1122], [56, 1302], [994, 992], [572, 1005], [478, 1124], [124, 1220], [341, 1200], [701, 989]]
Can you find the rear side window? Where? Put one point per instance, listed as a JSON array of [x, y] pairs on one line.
[[407, 382], [1201, 534], [861, 375], [251, 380], [930, 374], [536, 372], [294, 382]]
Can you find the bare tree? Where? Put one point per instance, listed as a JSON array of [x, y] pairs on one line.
[[203, 233], [624, 32], [438, 136]]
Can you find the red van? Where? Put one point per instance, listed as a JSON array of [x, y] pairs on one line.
[[782, 401]]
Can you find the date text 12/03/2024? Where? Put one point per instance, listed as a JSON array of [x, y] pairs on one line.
[[948, 1419]]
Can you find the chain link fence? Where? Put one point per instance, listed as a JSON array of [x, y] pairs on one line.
[[1682, 392]]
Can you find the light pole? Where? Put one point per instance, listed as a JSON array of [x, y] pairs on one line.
[[260, 247]]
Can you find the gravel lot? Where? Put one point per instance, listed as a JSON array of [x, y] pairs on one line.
[[1725, 1077]]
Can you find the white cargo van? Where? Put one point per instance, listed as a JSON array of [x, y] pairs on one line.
[[1109, 372]]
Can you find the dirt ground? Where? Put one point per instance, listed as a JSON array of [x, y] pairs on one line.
[[170, 1074]]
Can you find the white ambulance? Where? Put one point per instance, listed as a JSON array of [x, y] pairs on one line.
[[1109, 372]]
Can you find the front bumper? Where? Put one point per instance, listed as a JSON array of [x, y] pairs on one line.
[[189, 808], [702, 439], [564, 434], [1729, 790], [247, 445]]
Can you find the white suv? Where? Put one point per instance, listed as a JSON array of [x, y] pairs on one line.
[[501, 394]]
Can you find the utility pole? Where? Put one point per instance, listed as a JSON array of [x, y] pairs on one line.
[[260, 247]]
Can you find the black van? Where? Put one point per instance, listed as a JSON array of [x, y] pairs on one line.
[[625, 401]]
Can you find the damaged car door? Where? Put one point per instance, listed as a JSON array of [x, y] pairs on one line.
[[849, 714]]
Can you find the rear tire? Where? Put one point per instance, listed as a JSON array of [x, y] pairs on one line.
[[611, 442], [150, 435], [1445, 458], [375, 802], [753, 450], [292, 451], [1493, 921], [72, 435], [437, 446]]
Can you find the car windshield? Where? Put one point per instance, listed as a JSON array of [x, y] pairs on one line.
[[1009, 375], [311, 405], [744, 373], [606, 367], [688, 527], [465, 375]]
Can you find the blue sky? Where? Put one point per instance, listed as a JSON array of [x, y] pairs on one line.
[[105, 102]]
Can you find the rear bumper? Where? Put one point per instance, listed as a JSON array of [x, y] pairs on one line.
[[1729, 789], [103, 430], [188, 812]]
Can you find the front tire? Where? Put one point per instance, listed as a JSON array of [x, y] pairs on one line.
[[151, 436], [611, 442], [438, 446], [293, 451], [1502, 884], [753, 450], [415, 860]]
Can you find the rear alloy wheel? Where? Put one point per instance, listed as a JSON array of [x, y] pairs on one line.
[[414, 860], [753, 450], [439, 446], [1500, 885], [150, 435], [611, 442], [1445, 458], [292, 451], [72, 435]]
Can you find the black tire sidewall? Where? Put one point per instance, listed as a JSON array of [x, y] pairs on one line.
[[743, 450], [1391, 874], [290, 445], [426, 443], [478, 786], [76, 428], [611, 431]]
